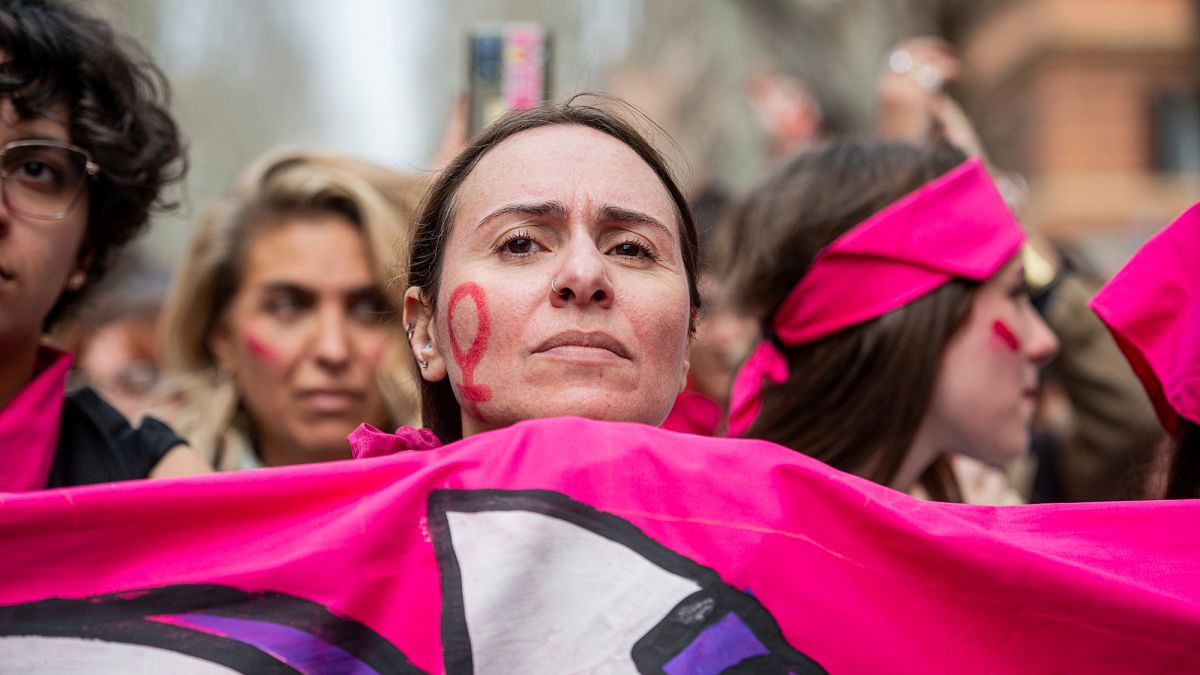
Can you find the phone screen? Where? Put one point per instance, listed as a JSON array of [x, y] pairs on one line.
[[509, 70]]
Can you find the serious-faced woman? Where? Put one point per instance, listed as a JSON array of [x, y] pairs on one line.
[[553, 272]]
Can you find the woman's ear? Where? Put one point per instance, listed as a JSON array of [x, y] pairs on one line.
[[78, 277], [422, 340]]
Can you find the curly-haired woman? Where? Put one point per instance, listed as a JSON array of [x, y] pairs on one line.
[[86, 144]]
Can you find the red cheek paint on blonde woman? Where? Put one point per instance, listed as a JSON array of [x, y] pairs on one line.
[[1006, 335], [468, 359], [260, 350]]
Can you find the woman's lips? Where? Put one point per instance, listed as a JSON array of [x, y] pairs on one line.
[[331, 400], [583, 345]]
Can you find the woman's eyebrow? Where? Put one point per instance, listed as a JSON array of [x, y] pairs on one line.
[[550, 209], [41, 129], [288, 287], [623, 215]]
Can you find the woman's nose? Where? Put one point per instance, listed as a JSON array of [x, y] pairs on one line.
[[1042, 344], [332, 347], [582, 276]]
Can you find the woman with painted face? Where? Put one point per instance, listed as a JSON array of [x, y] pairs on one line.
[[553, 272], [86, 144], [897, 326], [1152, 307], [279, 335]]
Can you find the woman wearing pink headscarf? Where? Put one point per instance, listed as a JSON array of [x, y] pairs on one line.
[[1152, 307], [897, 325]]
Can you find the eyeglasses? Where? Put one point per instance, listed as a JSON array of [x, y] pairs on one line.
[[43, 179]]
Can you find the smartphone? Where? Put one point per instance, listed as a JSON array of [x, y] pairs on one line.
[[509, 70]]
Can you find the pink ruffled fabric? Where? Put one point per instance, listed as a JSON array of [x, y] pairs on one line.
[[367, 441]]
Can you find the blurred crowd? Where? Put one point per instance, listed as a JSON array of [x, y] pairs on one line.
[[869, 301]]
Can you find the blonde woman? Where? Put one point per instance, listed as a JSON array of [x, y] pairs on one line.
[[279, 336]]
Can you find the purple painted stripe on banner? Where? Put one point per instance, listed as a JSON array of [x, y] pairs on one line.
[[721, 645], [303, 651]]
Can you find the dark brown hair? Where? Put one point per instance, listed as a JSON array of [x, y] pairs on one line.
[[1183, 481], [855, 399], [117, 100], [439, 408]]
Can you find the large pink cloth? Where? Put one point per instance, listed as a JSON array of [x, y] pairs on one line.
[[955, 226], [569, 545], [1152, 307], [29, 425]]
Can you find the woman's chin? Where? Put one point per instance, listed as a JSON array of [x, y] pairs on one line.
[[596, 404]]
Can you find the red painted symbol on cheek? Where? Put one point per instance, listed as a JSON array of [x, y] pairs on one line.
[[1006, 335], [259, 349], [469, 358]]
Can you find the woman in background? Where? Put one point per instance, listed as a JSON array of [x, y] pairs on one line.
[[897, 324], [279, 334]]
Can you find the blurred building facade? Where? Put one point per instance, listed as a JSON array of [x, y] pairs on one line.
[[1095, 103]]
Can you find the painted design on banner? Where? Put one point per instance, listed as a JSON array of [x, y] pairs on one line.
[[531, 581], [194, 629]]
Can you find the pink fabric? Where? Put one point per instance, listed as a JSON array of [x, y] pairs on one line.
[[29, 425], [367, 441], [1152, 307], [745, 398], [694, 413], [955, 226], [857, 577]]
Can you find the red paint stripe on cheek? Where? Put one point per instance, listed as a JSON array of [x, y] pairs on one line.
[[1006, 335], [259, 349], [468, 359]]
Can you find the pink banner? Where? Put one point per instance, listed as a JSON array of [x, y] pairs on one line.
[[575, 546]]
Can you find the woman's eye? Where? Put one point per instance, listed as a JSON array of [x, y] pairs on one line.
[[519, 244], [38, 172], [633, 249], [371, 310], [282, 307]]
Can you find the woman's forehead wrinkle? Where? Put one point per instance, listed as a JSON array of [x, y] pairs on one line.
[[550, 209], [621, 214]]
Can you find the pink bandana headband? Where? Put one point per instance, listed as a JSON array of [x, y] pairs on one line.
[[955, 226], [1152, 307]]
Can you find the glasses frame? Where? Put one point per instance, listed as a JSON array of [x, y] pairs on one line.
[[90, 167]]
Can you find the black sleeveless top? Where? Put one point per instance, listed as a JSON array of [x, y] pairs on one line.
[[97, 445]]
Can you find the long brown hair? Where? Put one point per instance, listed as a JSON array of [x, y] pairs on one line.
[[855, 399], [439, 408]]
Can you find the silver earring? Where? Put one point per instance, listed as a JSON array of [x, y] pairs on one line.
[[76, 280], [424, 364]]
